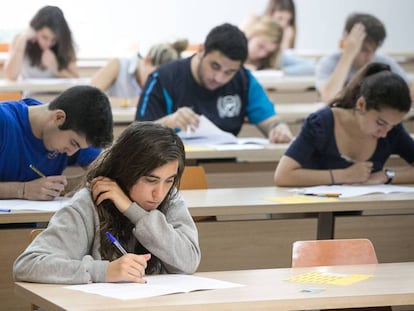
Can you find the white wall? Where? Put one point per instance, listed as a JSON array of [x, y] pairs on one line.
[[114, 27]]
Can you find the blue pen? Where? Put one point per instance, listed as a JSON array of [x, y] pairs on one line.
[[5, 210], [116, 243]]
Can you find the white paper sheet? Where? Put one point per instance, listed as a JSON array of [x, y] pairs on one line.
[[208, 134], [19, 205], [353, 191], [156, 285]]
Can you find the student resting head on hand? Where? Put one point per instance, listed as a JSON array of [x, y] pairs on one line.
[[44, 50], [130, 192]]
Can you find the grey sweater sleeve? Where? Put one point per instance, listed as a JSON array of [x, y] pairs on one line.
[[67, 251], [170, 235]]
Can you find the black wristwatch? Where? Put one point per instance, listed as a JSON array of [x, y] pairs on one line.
[[390, 175]]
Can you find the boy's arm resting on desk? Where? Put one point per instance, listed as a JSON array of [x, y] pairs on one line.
[[12, 190], [275, 130]]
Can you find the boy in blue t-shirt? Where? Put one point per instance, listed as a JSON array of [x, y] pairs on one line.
[[69, 131]]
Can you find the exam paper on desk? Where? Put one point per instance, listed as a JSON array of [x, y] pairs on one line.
[[208, 133], [47, 206], [157, 285], [346, 191]]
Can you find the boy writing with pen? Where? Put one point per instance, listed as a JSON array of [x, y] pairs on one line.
[[129, 219], [40, 141]]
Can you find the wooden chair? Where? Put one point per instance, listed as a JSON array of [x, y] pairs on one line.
[[10, 96], [194, 177], [333, 253], [34, 233]]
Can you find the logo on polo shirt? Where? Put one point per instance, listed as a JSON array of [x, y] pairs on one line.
[[229, 106]]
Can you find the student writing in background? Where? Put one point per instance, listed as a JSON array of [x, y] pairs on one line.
[[363, 35], [350, 141], [131, 192], [264, 37], [124, 77], [68, 131], [44, 50], [212, 83]]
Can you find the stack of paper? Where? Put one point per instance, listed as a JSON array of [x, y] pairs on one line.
[[208, 133]]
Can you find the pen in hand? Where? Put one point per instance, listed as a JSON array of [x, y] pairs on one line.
[[36, 170], [116, 243]]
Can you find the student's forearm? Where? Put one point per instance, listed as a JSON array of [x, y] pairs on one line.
[[65, 73], [12, 190], [337, 79], [303, 178], [14, 63]]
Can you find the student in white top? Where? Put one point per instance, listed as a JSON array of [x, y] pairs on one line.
[[44, 50], [363, 35], [124, 77]]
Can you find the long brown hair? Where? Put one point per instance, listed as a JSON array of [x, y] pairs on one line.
[[52, 17], [141, 148]]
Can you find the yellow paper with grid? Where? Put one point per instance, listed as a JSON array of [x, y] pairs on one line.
[[324, 278]]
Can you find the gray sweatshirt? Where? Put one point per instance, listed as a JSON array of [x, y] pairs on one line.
[[67, 251]]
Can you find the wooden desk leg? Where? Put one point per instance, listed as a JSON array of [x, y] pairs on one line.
[[326, 226]]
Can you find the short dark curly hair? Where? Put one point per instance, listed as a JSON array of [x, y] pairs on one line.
[[229, 40]]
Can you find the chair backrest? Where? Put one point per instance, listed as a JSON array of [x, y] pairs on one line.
[[34, 233], [10, 96], [333, 252], [194, 177]]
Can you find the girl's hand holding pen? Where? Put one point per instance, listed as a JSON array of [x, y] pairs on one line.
[[129, 267], [104, 188], [44, 188], [359, 172]]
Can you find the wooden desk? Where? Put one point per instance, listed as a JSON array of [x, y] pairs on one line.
[[40, 85], [390, 284], [252, 232]]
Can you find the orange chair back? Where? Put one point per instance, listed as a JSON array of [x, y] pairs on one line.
[[10, 96], [333, 252], [194, 177]]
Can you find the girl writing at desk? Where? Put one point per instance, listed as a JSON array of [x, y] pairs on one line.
[[350, 141], [131, 194]]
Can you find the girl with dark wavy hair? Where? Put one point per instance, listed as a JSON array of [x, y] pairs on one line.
[[130, 192], [44, 50]]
